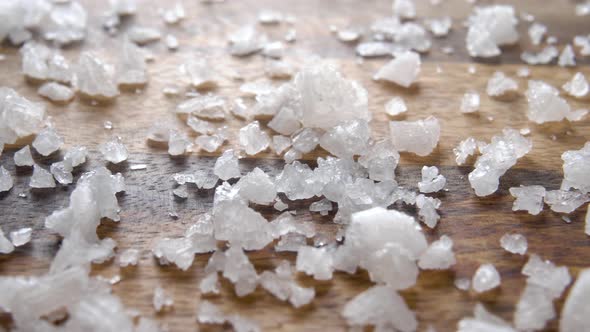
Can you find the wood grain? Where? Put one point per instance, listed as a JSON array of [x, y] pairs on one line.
[[475, 224]]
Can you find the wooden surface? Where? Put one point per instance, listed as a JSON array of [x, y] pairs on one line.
[[475, 224]]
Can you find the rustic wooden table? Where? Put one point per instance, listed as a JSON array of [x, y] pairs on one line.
[[475, 224]]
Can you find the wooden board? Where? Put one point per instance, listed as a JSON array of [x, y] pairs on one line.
[[475, 224]]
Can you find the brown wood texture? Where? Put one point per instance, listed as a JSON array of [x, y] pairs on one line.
[[475, 224]]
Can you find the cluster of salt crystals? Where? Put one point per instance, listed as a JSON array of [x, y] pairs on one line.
[[94, 78], [578, 86], [574, 315], [21, 117], [497, 157], [470, 102], [6, 181], [47, 141], [39, 64], [432, 181], [403, 70], [419, 137], [545, 283], [114, 150], [545, 104], [466, 148], [501, 87], [486, 277], [483, 320], [489, 28], [282, 285], [545, 56], [395, 106], [62, 170], [208, 313], [528, 198], [514, 243], [161, 299], [576, 169]]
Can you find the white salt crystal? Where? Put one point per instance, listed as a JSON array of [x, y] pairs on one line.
[[285, 122], [470, 102], [575, 315], [348, 35], [554, 279], [432, 181], [210, 284], [201, 74], [209, 143], [21, 236], [395, 106], [274, 50], [282, 285], [246, 41], [129, 257], [171, 42], [114, 150], [174, 15], [427, 209], [374, 49], [523, 72], [280, 205], [439, 255], [6, 246], [534, 309], [178, 143], [462, 283], [270, 17], [419, 137], [161, 300], [278, 69], [485, 278], [291, 35], [41, 178], [544, 57], [208, 107], [347, 139], [252, 139], [583, 42], [528, 198], [56, 92], [545, 104], [123, 7], [34, 61], [465, 149], [132, 68], [536, 32], [280, 143], [143, 35], [403, 70], [316, 262], [514, 243], [23, 157], [501, 86], [200, 126], [483, 321], [567, 58], [576, 169], [226, 166], [240, 271], [47, 141], [565, 201], [306, 140], [66, 24], [76, 156], [62, 172], [257, 187], [6, 181], [404, 8], [489, 28], [439, 27], [94, 78], [578, 86], [323, 205]]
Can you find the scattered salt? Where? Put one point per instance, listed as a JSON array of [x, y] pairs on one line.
[[21, 236]]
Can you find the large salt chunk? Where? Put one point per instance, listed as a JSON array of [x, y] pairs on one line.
[[47, 141], [576, 169], [257, 187], [483, 321], [23, 157], [114, 150], [485, 278], [545, 104], [347, 139], [403, 70], [240, 225], [514, 243], [578, 86], [317, 262], [252, 139], [323, 90], [208, 107], [528, 198], [6, 246], [489, 28], [95, 78], [226, 166], [465, 149], [563, 201], [439, 255], [497, 157], [432, 181], [419, 137], [501, 86], [382, 307], [575, 315], [56, 92], [41, 178], [6, 181]]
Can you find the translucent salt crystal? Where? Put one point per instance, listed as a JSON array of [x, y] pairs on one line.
[[404, 8], [523, 72], [347, 139], [41, 178], [209, 143], [574, 315], [132, 67], [380, 159], [281, 284], [419, 137], [59, 69], [427, 209], [323, 205], [257, 187], [34, 61], [76, 156], [545, 104], [161, 300], [114, 150], [274, 50], [278, 69], [382, 307], [567, 58], [252, 139], [439, 255], [439, 27], [348, 35], [270, 17], [290, 35], [553, 279], [501, 86], [21, 236], [514, 243], [94, 78], [240, 271], [576, 169], [208, 107], [462, 283], [178, 143], [374, 49], [245, 41], [485, 278], [280, 205], [489, 28], [536, 33], [431, 180], [209, 314], [23, 157], [465, 149], [528, 198], [291, 242], [174, 14], [578, 86], [181, 192], [565, 201], [280, 143], [200, 73], [56, 92], [395, 106], [47, 141], [403, 70], [483, 321], [316, 262], [226, 166], [285, 122], [544, 57], [210, 284], [256, 88], [62, 172], [66, 23], [128, 257], [497, 158], [143, 35], [470, 102], [534, 309]]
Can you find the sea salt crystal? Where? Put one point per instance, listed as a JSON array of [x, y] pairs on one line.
[[485, 278], [574, 315], [321, 206], [246, 41], [523, 72], [22, 117], [143, 35], [576, 169], [161, 300], [6, 181], [536, 33], [545, 104], [432, 181], [41, 178], [395, 106], [240, 271], [278, 69], [567, 58], [270, 17], [483, 321], [583, 42], [563, 201], [34, 61], [427, 209], [114, 150], [280, 205], [94, 78], [173, 15], [252, 139], [47, 141], [462, 283], [439, 27], [76, 156], [23, 157], [306, 140], [404, 8], [181, 192], [316, 262], [178, 143], [201, 74], [132, 68], [257, 187], [554, 279], [577, 87], [419, 137], [502, 87], [56, 92], [439, 255], [514, 243], [490, 27], [209, 143], [465, 149], [528, 198], [128, 257], [280, 143], [285, 122], [67, 23], [226, 166], [274, 50], [21, 236], [281, 284], [403, 70], [347, 139], [62, 172], [208, 107], [200, 126], [470, 102], [210, 284], [373, 49], [545, 56]]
